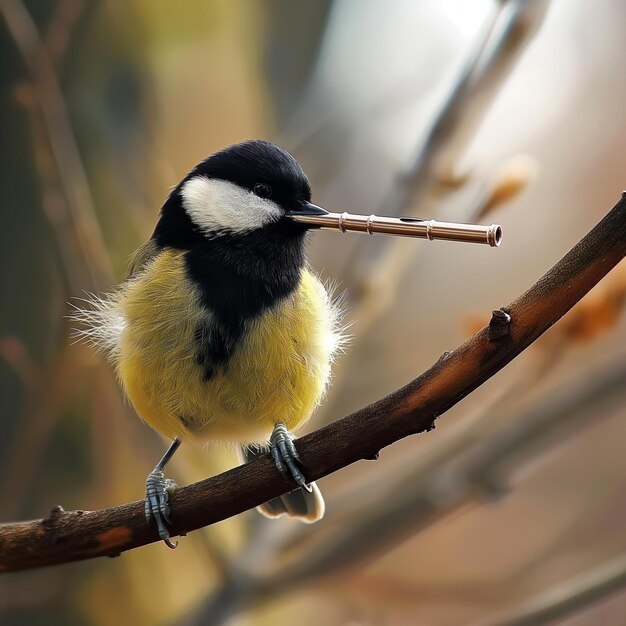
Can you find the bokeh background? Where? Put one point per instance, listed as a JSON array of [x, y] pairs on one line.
[[509, 111]]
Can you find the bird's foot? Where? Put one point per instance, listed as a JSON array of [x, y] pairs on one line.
[[157, 504], [286, 456]]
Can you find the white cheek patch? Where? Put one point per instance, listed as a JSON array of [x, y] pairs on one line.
[[217, 206]]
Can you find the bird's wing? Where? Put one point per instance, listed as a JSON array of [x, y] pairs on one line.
[[141, 257]]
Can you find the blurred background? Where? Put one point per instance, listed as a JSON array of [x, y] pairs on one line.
[[512, 510]]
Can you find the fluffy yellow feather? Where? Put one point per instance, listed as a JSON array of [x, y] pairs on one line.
[[278, 374]]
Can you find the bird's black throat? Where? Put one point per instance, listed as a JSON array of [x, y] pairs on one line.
[[241, 276], [238, 276], [238, 281]]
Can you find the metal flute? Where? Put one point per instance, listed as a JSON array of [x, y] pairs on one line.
[[404, 227]]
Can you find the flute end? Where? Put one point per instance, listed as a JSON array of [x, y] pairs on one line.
[[494, 235]]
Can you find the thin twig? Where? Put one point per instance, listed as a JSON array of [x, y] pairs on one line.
[[64, 537], [54, 203], [33, 430], [459, 116], [567, 598], [517, 22], [62, 142], [61, 30]]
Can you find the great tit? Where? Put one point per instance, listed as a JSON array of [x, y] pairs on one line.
[[221, 331]]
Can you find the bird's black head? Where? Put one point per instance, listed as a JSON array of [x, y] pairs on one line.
[[232, 214], [241, 196]]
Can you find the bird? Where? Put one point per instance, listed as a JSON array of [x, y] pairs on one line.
[[221, 331]]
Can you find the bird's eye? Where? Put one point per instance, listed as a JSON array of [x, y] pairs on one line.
[[262, 190]]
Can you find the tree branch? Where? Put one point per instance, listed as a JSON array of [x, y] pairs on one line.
[[70, 536]]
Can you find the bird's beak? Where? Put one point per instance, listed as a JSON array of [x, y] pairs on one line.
[[308, 214]]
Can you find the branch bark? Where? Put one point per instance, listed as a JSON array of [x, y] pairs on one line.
[[70, 536]]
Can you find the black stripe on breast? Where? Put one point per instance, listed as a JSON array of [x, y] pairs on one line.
[[238, 280], [215, 344]]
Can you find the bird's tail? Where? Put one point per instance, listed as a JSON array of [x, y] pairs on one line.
[[307, 506]]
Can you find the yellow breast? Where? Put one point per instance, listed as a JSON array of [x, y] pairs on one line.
[[278, 372]]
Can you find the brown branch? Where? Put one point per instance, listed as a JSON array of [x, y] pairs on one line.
[[76, 535]]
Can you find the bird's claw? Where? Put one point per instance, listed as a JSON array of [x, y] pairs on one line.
[[286, 456], [157, 507]]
